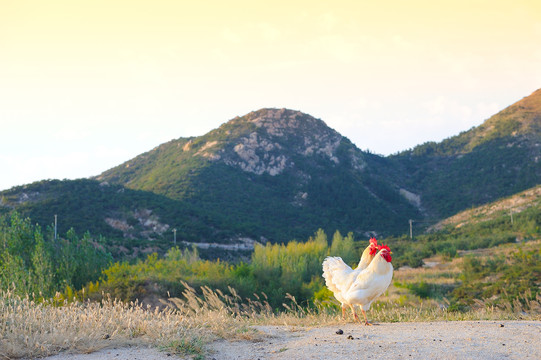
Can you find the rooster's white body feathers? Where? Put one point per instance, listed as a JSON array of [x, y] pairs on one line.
[[370, 283]]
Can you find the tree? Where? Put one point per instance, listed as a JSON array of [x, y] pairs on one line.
[[337, 244], [13, 274], [42, 270]]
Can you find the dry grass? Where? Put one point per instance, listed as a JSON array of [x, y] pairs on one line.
[[35, 329], [397, 305], [231, 317], [431, 310], [30, 329]]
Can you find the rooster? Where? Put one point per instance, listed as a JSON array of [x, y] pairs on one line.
[[339, 276], [370, 283]]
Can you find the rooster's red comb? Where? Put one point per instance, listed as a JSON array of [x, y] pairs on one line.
[[373, 246], [381, 247]]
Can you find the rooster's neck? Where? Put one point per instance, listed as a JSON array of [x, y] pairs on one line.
[[366, 258], [380, 265]]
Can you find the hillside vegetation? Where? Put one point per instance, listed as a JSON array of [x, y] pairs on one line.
[[35, 262], [277, 270], [131, 222]]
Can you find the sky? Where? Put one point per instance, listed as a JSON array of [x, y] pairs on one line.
[[87, 85]]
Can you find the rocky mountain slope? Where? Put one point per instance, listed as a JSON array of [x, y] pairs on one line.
[[273, 174]]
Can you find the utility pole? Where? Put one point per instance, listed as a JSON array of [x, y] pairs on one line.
[[511, 212], [55, 223], [175, 236], [411, 229]]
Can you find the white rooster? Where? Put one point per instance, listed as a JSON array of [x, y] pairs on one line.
[[370, 283], [339, 276]]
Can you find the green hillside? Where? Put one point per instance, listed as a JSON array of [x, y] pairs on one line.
[[497, 159], [130, 220], [509, 220]]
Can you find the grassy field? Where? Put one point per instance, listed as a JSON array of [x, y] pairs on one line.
[[32, 328]]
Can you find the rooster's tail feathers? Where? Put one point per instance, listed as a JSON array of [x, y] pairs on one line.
[[332, 265]]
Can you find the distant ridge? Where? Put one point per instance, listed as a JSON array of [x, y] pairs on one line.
[[521, 121], [497, 159], [513, 204]]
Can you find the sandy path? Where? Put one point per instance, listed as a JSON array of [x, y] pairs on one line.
[[437, 340], [130, 353]]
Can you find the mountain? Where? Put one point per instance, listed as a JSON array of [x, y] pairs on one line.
[[275, 175], [496, 159]]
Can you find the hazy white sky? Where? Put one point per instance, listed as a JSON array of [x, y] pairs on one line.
[[87, 85]]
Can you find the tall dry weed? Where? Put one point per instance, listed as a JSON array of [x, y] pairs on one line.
[[31, 329]]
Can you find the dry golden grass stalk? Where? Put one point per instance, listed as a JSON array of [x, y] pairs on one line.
[[35, 329]]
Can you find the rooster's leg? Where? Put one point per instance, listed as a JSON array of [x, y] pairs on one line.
[[343, 312], [365, 318], [355, 317]]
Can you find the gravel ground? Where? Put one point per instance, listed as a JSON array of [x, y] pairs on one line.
[[436, 340]]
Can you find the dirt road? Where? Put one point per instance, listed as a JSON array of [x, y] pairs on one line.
[[437, 340]]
